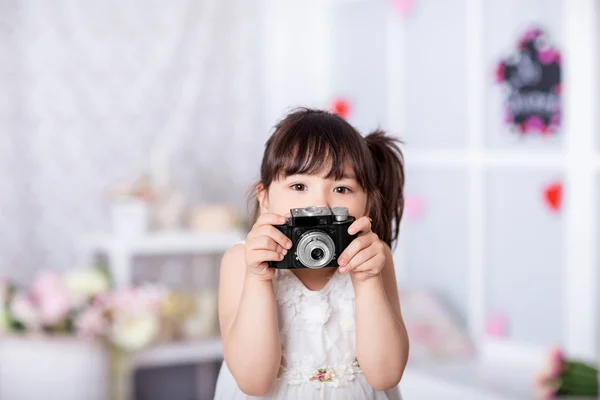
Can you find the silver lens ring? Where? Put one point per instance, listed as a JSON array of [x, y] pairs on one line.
[[315, 240]]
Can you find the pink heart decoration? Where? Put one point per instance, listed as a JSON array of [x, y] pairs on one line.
[[403, 6], [414, 206], [497, 325]]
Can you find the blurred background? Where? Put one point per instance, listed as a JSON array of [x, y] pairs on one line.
[[131, 133]]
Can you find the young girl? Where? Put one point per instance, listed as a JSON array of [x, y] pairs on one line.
[[330, 333]]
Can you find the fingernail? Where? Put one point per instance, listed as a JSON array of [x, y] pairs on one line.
[[289, 245], [342, 261], [342, 270], [351, 231], [281, 256], [284, 251], [282, 220]]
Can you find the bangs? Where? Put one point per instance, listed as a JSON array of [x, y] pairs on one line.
[[315, 144]]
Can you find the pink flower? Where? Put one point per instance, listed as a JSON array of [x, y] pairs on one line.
[[546, 390], [322, 375], [508, 115], [52, 297], [531, 34], [555, 120], [547, 56], [546, 384], [557, 360], [547, 380], [533, 124], [500, 72], [92, 323], [135, 301]]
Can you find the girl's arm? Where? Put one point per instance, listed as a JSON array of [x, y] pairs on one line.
[[248, 320], [381, 339]]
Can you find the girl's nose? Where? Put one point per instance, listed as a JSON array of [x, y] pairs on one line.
[[320, 198]]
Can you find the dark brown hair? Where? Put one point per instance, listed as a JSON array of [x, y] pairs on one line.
[[306, 141]]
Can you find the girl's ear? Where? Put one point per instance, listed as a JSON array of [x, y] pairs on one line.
[[263, 198]]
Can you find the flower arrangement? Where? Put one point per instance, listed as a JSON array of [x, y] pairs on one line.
[[81, 303], [141, 188], [82, 306], [564, 377]]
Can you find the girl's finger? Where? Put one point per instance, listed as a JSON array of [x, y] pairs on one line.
[[269, 219], [363, 224], [355, 246], [260, 256], [275, 234], [360, 258], [372, 266], [265, 243]]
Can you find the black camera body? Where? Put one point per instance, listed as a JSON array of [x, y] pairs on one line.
[[318, 234]]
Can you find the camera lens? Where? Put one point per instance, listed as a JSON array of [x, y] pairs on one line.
[[317, 254], [315, 249]]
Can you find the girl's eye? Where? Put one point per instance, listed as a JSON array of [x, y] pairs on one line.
[[342, 190], [298, 186]]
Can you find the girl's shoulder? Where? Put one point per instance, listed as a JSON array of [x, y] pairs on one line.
[[233, 262], [234, 253]]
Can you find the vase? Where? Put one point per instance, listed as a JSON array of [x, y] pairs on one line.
[[129, 217], [33, 368]]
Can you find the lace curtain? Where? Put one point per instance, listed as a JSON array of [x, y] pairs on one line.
[[89, 89]]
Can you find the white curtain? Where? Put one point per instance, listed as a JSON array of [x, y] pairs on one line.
[[89, 89]]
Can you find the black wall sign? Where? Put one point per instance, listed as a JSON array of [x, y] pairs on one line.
[[532, 80]]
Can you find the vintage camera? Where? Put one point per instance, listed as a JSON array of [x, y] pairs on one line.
[[318, 234]]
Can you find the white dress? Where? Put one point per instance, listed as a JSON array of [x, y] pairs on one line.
[[317, 330]]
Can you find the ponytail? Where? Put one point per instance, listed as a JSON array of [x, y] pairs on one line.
[[388, 204]]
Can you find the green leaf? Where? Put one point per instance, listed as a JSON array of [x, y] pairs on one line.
[[17, 326]]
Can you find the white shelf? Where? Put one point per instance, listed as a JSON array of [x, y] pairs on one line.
[[120, 250], [168, 242], [178, 353]]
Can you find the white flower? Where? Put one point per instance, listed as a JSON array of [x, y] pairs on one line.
[[288, 292], [134, 332], [285, 318], [347, 313], [86, 282], [24, 311], [315, 310], [347, 324]]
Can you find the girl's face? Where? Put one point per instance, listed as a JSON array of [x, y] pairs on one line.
[[297, 191]]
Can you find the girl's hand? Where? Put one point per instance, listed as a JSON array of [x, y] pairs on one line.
[[365, 256], [265, 243]]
